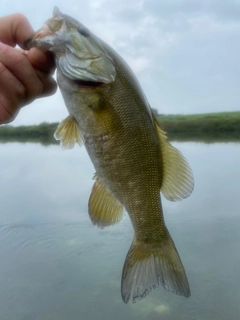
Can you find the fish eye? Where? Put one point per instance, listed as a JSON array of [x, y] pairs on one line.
[[84, 32]]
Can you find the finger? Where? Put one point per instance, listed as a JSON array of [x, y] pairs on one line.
[[15, 29], [43, 61], [7, 113], [48, 83], [18, 64], [11, 87], [12, 95]]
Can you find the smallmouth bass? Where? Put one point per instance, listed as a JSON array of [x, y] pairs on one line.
[[110, 114]]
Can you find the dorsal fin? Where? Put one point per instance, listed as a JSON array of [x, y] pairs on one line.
[[68, 133], [178, 179]]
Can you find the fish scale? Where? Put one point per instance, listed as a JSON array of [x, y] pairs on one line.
[[110, 114]]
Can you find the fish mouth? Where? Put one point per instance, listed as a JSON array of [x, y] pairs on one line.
[[35, 40]]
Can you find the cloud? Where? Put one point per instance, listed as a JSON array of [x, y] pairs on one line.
[[184, 52], [139, 65]]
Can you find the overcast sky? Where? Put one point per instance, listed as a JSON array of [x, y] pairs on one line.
[[185, 53]]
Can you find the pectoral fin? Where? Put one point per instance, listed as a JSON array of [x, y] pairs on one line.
[[178, 179], [68, 133], [104, 209]]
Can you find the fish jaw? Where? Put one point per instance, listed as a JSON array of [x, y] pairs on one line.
[[49, 37], [79, 55], [42, 39]]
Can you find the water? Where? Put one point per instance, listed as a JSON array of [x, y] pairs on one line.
[[55, 265]]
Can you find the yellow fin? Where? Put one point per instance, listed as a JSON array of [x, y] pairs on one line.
[[104, 209], [178, 179], [68, 133], [147, 266]]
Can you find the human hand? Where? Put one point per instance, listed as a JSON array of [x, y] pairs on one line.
[[24, 75]]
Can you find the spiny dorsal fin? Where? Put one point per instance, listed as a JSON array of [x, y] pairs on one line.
[[68, 133], [178, 179], [103, 208]]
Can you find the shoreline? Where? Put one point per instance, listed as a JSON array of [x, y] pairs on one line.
[[210, 127]]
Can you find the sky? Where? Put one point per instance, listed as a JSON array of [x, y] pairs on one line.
[[185, 53]]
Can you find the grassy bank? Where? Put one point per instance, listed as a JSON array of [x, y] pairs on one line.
[[222, 126], [42, 133], [208, 127]]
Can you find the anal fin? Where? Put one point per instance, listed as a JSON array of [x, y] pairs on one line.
[[103, 208]]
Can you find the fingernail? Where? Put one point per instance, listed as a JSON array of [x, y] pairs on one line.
[[2, 46]]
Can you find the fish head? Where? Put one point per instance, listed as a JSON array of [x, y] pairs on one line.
[[79, 54]]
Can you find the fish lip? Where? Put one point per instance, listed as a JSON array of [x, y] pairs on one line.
[[32, 41]]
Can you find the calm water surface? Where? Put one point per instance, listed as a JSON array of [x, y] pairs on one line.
[[55, 265]]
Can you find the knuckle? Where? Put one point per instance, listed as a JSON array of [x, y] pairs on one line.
[[33, 92], [20, 18], [8, 110], [20, 92], [25, 91], [37, 89], [33, 85]]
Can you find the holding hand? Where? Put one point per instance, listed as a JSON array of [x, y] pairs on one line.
[[24, 75]]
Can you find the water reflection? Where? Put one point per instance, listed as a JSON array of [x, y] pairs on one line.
[[202, 137], [55, 265]]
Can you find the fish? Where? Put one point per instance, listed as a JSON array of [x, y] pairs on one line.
[[134, 161]]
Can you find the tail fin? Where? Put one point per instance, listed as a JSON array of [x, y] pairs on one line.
[[146, 267]]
